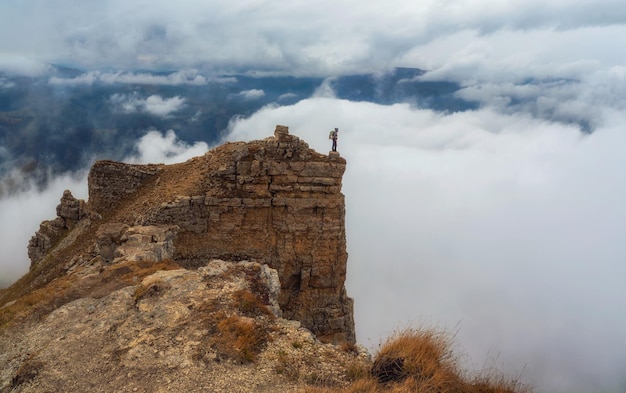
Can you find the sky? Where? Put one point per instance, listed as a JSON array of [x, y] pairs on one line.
[[504, 225]]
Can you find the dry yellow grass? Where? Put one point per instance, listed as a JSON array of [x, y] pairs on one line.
[[240, 338], [250, 304], [235, 337], [421, 361], [40, 302]]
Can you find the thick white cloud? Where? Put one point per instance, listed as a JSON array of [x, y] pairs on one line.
[[287, 96], [505, 228], [154, 104], [555, 99], [252, 94], [154, 147]]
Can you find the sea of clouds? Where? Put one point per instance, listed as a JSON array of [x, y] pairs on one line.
[[502, 229]]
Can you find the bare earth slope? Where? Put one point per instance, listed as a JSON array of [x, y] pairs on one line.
[[176, 330]]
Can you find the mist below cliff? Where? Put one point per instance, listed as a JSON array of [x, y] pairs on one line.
[[503, 229]]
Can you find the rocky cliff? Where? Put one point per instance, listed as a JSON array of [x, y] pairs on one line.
[[273, 201], [248, 238]]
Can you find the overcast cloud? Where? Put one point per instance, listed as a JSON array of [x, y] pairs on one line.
[[504, 223], [154, 147], [322, 37], [21, 215]]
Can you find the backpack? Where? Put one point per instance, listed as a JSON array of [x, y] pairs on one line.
[[330, 136]]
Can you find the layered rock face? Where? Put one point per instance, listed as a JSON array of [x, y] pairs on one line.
[[273, 201]]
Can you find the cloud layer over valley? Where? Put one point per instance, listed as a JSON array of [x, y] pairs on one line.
[[503, 228]]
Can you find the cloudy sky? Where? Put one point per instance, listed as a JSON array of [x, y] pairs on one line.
[[478, 38], [505, 225]]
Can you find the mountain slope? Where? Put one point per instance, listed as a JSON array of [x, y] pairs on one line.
[[174, 330]]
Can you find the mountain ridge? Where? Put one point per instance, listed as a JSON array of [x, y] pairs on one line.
[[158, 234], [223, 273], [275, 201]]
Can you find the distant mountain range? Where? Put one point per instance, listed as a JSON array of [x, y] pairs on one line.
[[60, 121]]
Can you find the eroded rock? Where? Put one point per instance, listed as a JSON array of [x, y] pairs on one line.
[[69, 212]]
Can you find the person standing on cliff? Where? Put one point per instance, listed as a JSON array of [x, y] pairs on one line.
[[334, 134]]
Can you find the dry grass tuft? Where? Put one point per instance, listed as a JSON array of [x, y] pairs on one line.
[[238, 324], [423, 352], [421, 361], [152, 290], [497, 383], [250, 304], [27, 371], [239, 338], [356, 371]]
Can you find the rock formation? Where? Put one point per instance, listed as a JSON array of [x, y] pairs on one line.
[[274, 201], [172, 275], [69, 212]]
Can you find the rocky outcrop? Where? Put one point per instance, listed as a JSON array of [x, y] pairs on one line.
[[273, 201], [117, 241], [69, 212]]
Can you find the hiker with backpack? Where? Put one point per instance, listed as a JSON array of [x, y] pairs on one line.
[[334, 134]]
